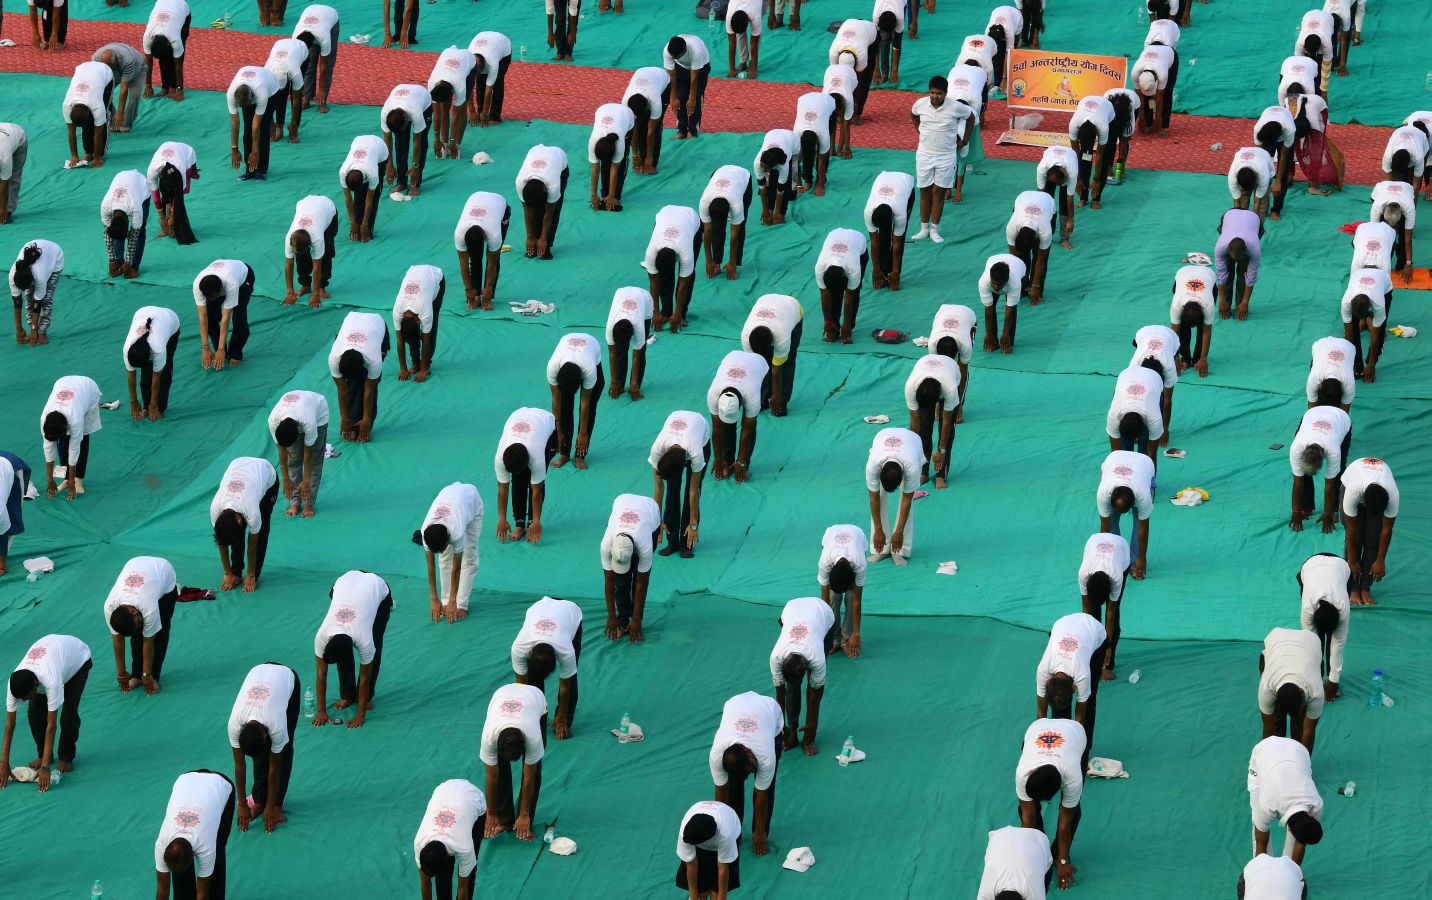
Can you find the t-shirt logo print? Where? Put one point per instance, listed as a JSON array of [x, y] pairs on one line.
[[1047, 741], [521, 427], [746, 725], [811, 115], [676, 425], [511, 708], [36, 654], [1195, 285], [1336, 356], [411, 289], [235, 486], [723, 183], [671, 233], [894, 442], [345, 616], [545, 625], [840, 248], [736, 373], [442, 512], [356, 337], [629, 517], [258, 693], [445, 819], [187, 819], [1068, 643], [133, 581], [1374, 245], [798, 632], [64, 395], [886, 190], [1136, 390]]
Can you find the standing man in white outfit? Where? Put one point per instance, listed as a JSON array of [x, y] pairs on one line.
[[942, 124], [893, 470], [449, 538], [300, 414], [1281, 789]]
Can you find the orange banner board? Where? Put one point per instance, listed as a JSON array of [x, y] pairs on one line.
[[1040, 79]]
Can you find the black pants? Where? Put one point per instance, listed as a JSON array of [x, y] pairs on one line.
[[833, 306], [1339, 58], [402, 143], [622, 351], [303, 264], [1000, 53], [651, 154], [1190, 342], [54, 22], [260, 787], [561, 26], [358, 386], [310, 66], [553, 209], [398, 21], [161, 640], [1166, 107], [730, 447], [885, 239], [624, 592], [572, 694], [169, 68], [239, 547], [521, 487], [568, 407], [1033, 21], [927, 438], [863, 80], [1308, 498], [68, 733], [166, 377], [686, 82], [278, 107], [184, 885], [238, 320], [499, 90], [708, 872], [347, 671], [78, 469], [414, 345], [1369, 541], [443, 882], [787, 373], [87, 132], [605, 170], [362, 198], [737, 794], [676, 511], [251, 142]]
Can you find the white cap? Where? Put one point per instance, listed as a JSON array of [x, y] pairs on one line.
[[1148, 82], [799, 859], [841, 58], [622, 550], [728, 408]]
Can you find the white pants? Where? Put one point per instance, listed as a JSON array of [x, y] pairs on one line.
[[889, 512], [468, 574]]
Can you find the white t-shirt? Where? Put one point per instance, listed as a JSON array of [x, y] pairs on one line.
[[839, 542], [725, 842], [1097, 111], [493, 47], [730, 184], [843, 247], [286, 61], [1072, 642], [638, 517], [519, 706], [554, 622], [815, 111], [1193, 284], [649, 82], [486, 210], [413, 100], [140, 584], [839, 81], [1324, 577], [611, 118], [1413, 141], [87, 89], [232, 273], [967, 85], [1320, 23], [244, 484], [1280, 782], [367, 154], [179, 155], [1053, 742], [1325, 426], [754, 722], [52, 260], [8, 479], [1164, 31], [685, 429], [1032, 209], [196, 810], [895, 7], [453, 67], [956, 321], [455, 507], [167, 19], [11, 137], [531, 427], [258, 79], [128, 192], [744, 371], [945, 371], [941, 127], [361, 331], [1272, 878], [1057, 157], [1137, 390], [804, 624], [313, 214], [547, 165], [1394, 193], [455, 807], [979, 48], [899, 445], [1375, 284], [319, 21], [581, 349], [1157, 59], [892, 189], [416, 295], [632, 304], [1358, 476], [1161, 343], [856, 36], [780, 314], [55, 659], [752, 9], [163, 324], [1257, 159], [697, 56], [1016, 859], [1013, 286], [307, 408], [264, 698], [76, 397], [782, 139], [356, 598], [1372, 245], [1126, 468], [1300, 70], [676, 228], [1284, 119], [1292, 656], [1332, 358], [1109, 554], [1010, 19]]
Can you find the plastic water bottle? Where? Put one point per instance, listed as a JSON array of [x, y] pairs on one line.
[[1374, 700], [522, 53], [1428, 84], [56, 776], [711, 26], [846, 750], [1135, 675], [625, 727], [97, 891], [1142, 16], [1348, 789], [549, 835], [309, 705]]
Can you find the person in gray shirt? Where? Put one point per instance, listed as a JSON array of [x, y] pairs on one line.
[[128, 66]]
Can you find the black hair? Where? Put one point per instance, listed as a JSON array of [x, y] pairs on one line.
[[1026, 242], [511, 744], [171, 184], [515, 459], [886, 22], [1123, 494], [1009, 895], [1087, 135], [939, 83], [476, 239], [1288, 700], [948, 346], [1099, 588], [1330, 392], [23, 683], [228, 530], [671, 462], [1247, 180], [211, 287], [999, 272], [676, 47], [118, 227], [719, 209], [762, 342], [1123, 113], [892, 476], [80, 114], [1191, 314], [1160, 8], [1269, 136], [1237, 248], [541, 662], [285, 433], [436, 537], [54, 426], [622, 333], [179, 855], [308, 40], [839, 103], [1402, 165], [997, 32], [409, 327], [842, 576], [739, 21], [442, 92], [1131, 426], [1361, 306], [666, 260], [122, 620], [1313, 46], [1153, 365], [351, 365], [1325, 618], [699, 829], [883, 218], [569, 378], [927, 394], [773, 157], [396, 119], [1059, 691], [21, 272], [140, 355], [354, 179], [160, 48], [244, 97], [1043, 783], [338, 648], [605, 149], [1375, 499], [435, 860], [639, 105], [1304, 828], [734, 761], [834, 280], [810, 146], [253, 738], [1061, 172], [534, 192]]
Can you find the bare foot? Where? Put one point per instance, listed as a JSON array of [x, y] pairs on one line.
[[292, 511], [342, 704], [635, 393], [307, 512], [1108, 675], [580, 463], [941, 483], [560, 461], [66, 767]]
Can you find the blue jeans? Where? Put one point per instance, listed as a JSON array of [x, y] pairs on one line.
[[1133, 532]]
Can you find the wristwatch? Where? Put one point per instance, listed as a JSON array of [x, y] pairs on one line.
[[1063, 862]]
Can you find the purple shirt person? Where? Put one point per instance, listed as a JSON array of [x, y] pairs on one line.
[[1236, 258]]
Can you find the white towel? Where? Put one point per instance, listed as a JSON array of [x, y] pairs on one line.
[[1187, 498], [947, 568], [920, 341], [877, 420], [633, 736], [480, 158], [1100, 767], [39, 564]]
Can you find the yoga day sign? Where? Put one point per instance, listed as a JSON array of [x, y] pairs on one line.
[[1056, 82]]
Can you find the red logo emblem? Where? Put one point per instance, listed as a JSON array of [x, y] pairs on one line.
[[676, 425], [950, 323], [411, 288], [1322, 425], [893, 443], [258, 693], [445, 819], [671, 233], [64, 395], [305, 222], [345, 615], [82, 87], [1155, 344], [1195, 285], [442, 511], [577, 342], [161, 17], [810, 115], [545, 625], [216, 265], [36, 653], [1048, 741], [629, 517], [723, 183], [1124, 471], [521, 426], [167, 153], [291, 397], [1135, 390], [836, 81], [798, 632], [1336, 356], [736, 373], [630, 305], [1033, 210], [1105, 547], [235, 486], [512, 708], [607, 120], [1068, 643], [477, 212], [401, 92], [357, 337], [746, 725], [539, 165], [765, 313], [249, 73], [839, 248], [187, 819], [886, 190], [1374, 245], [134, 581]]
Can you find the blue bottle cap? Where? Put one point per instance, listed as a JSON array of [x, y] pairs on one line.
[[1377, 672]]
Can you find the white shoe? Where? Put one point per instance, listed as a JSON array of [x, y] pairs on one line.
[[877, 557], [900, 560], [923, 233], [935, 235]]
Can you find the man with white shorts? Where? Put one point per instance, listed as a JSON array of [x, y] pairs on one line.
[[941, 123]]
